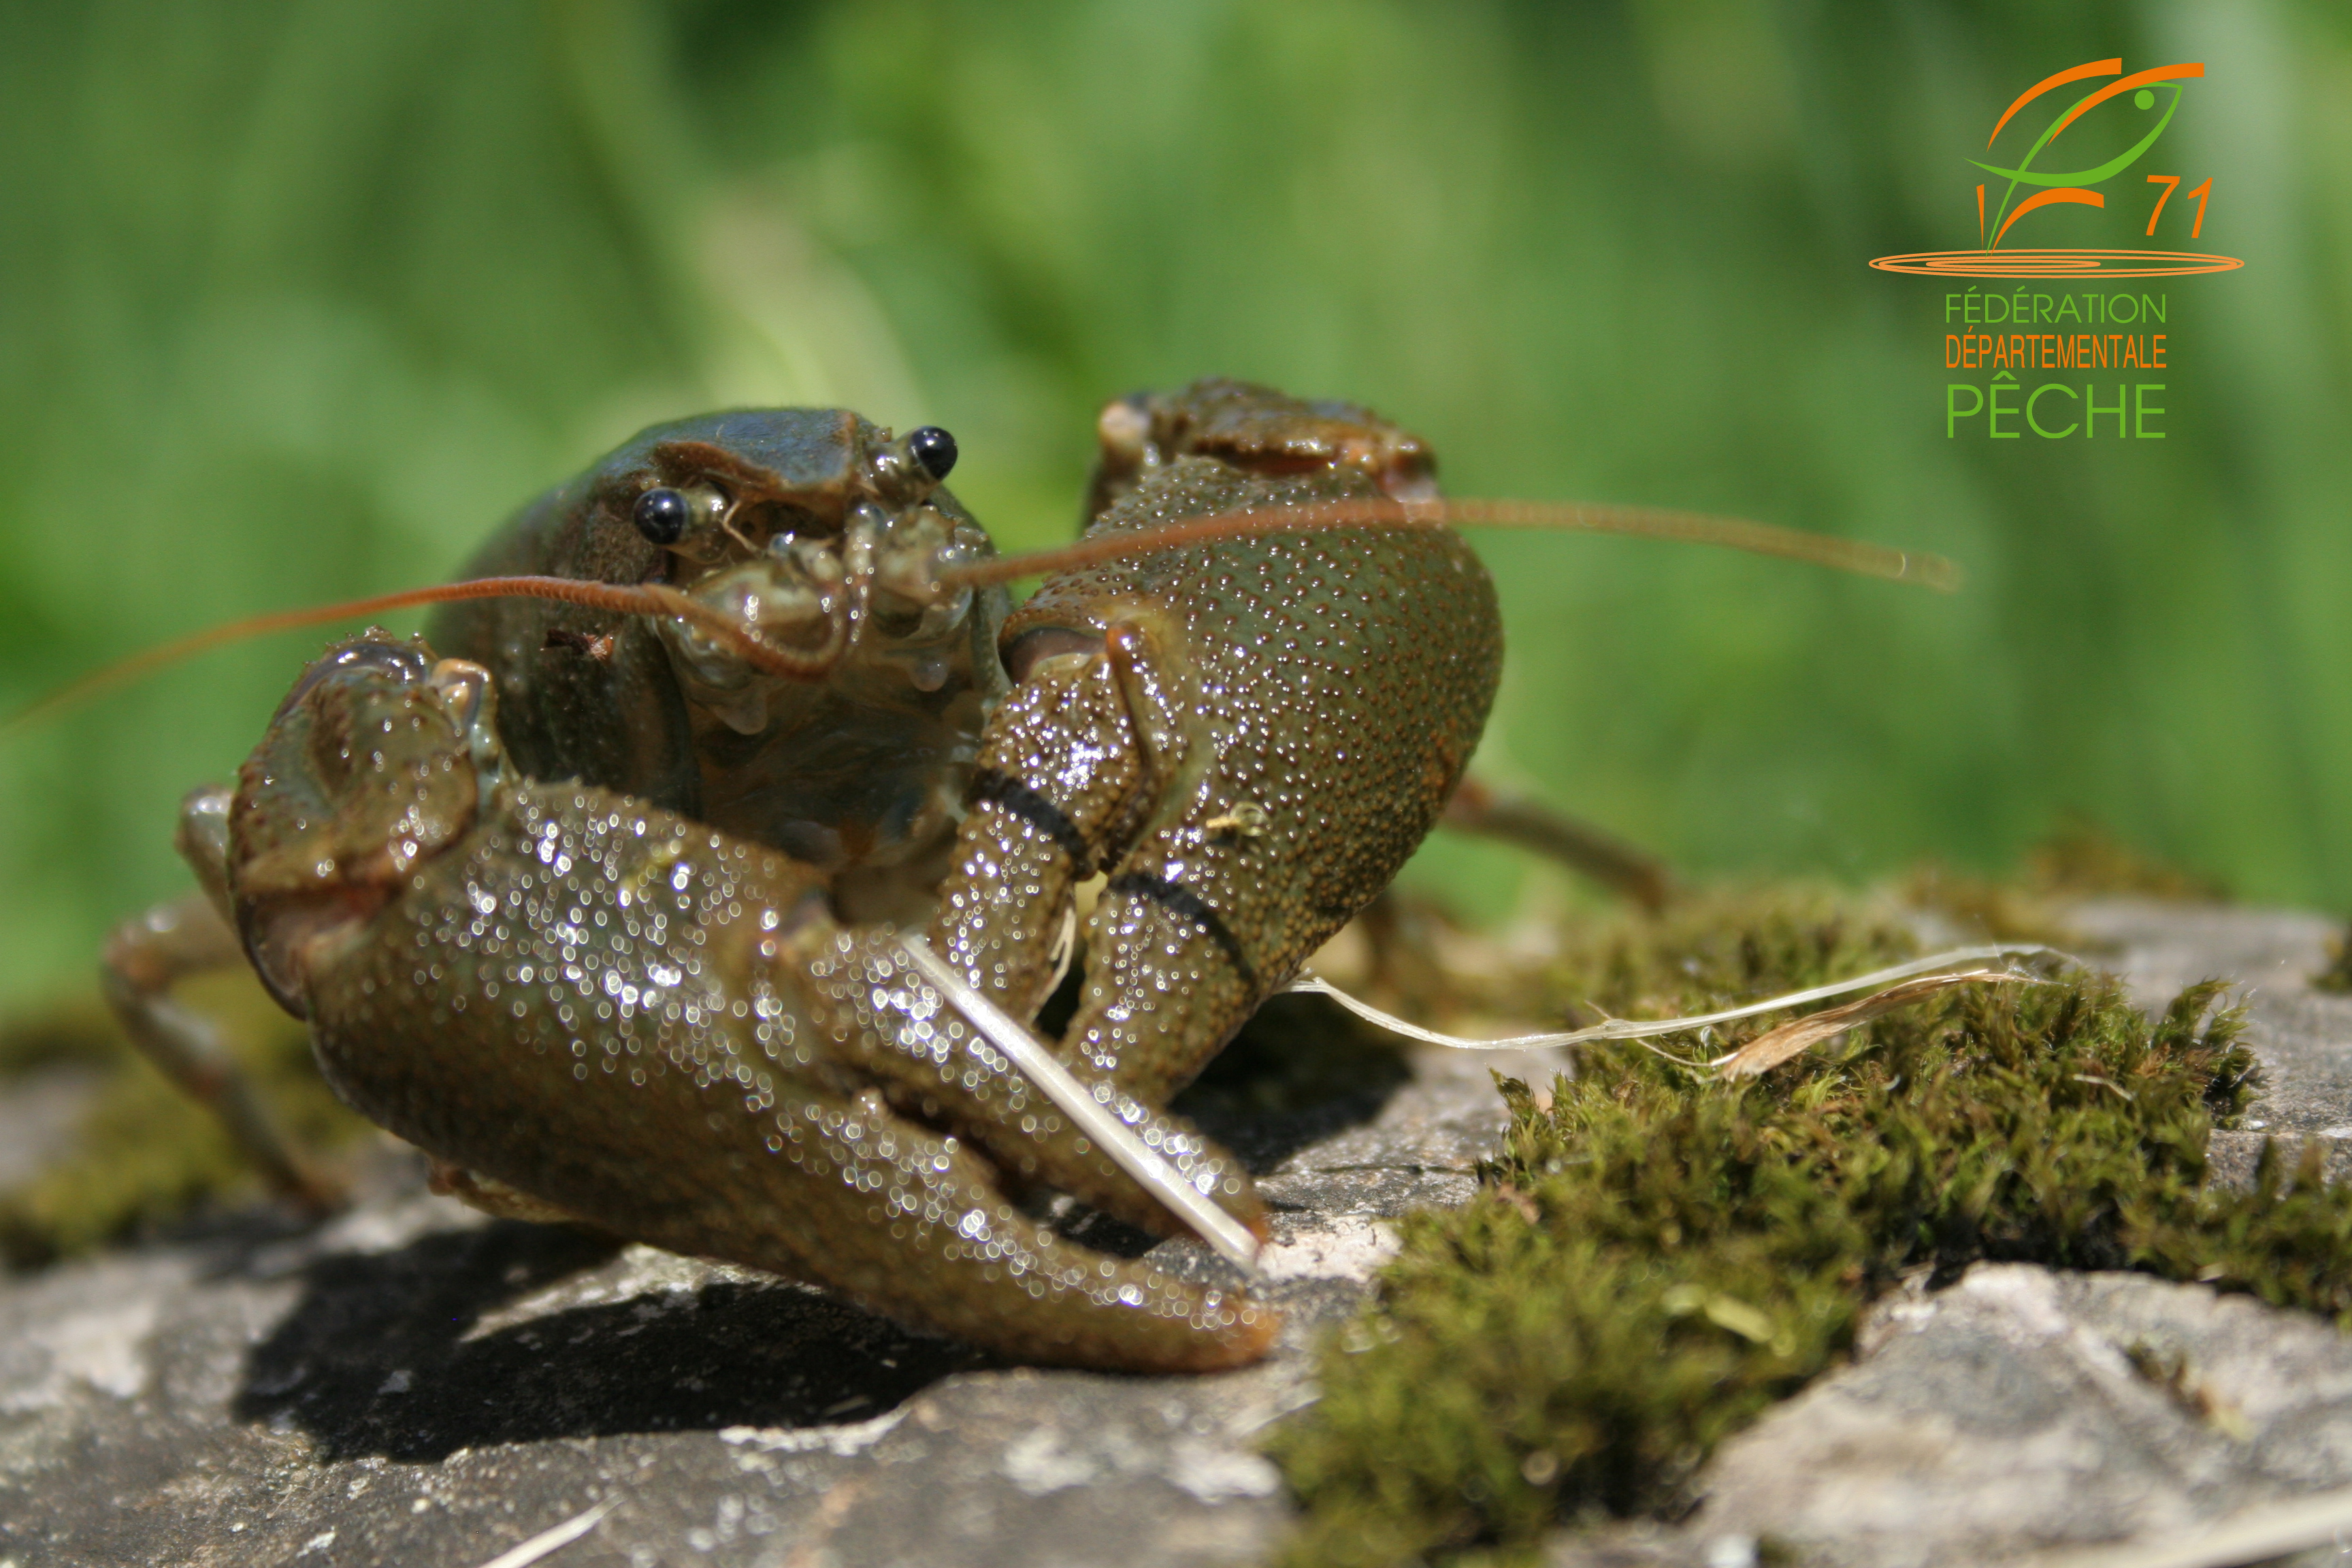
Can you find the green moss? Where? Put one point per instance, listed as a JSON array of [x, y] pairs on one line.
[[144, 1155], [1654, 1260], [2338, 975], [2079, 859], [72, 1031], [1719, 947], [1711, 944]]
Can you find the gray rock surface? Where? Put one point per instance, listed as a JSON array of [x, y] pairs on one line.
[[2303, 1036], [2022, 1412], [2022, 1409], [38, 1113], [417, 1385]]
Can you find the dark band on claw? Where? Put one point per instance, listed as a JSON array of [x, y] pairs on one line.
[[1185, 904], [1010, 795]]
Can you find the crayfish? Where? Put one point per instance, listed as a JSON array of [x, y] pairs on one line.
[[702, 872]]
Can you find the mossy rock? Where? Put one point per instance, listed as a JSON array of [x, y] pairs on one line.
[[145, 1156], [1654, 1257]]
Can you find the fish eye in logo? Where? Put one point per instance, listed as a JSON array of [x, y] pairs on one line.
[[2075, 187]]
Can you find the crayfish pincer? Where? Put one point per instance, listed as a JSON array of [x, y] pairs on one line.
[[1245, 738], [617, 1014]]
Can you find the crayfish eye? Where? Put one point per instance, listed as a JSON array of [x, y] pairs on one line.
[[934, 448], [662, 514]]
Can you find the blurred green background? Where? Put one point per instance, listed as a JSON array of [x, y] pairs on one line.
[[297, 298]]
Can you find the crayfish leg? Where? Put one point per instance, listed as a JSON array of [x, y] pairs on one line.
[[1481, 808], [149, 954], [488, 1195]]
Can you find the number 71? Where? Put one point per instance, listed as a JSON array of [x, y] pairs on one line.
[[2171, 183]]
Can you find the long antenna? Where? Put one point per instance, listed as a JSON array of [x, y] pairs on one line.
[[1854, 555], [637, 599]]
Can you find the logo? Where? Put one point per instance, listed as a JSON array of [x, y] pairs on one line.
[[2114, 113], [2015, 337]]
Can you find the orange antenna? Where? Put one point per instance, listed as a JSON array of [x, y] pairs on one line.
[[632, 599], [1641, 522]]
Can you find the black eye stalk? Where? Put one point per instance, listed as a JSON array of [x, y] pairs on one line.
[[662, 514], [906, 472], [934, 448]]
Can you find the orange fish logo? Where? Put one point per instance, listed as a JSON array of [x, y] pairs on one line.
[[2077, 187]]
